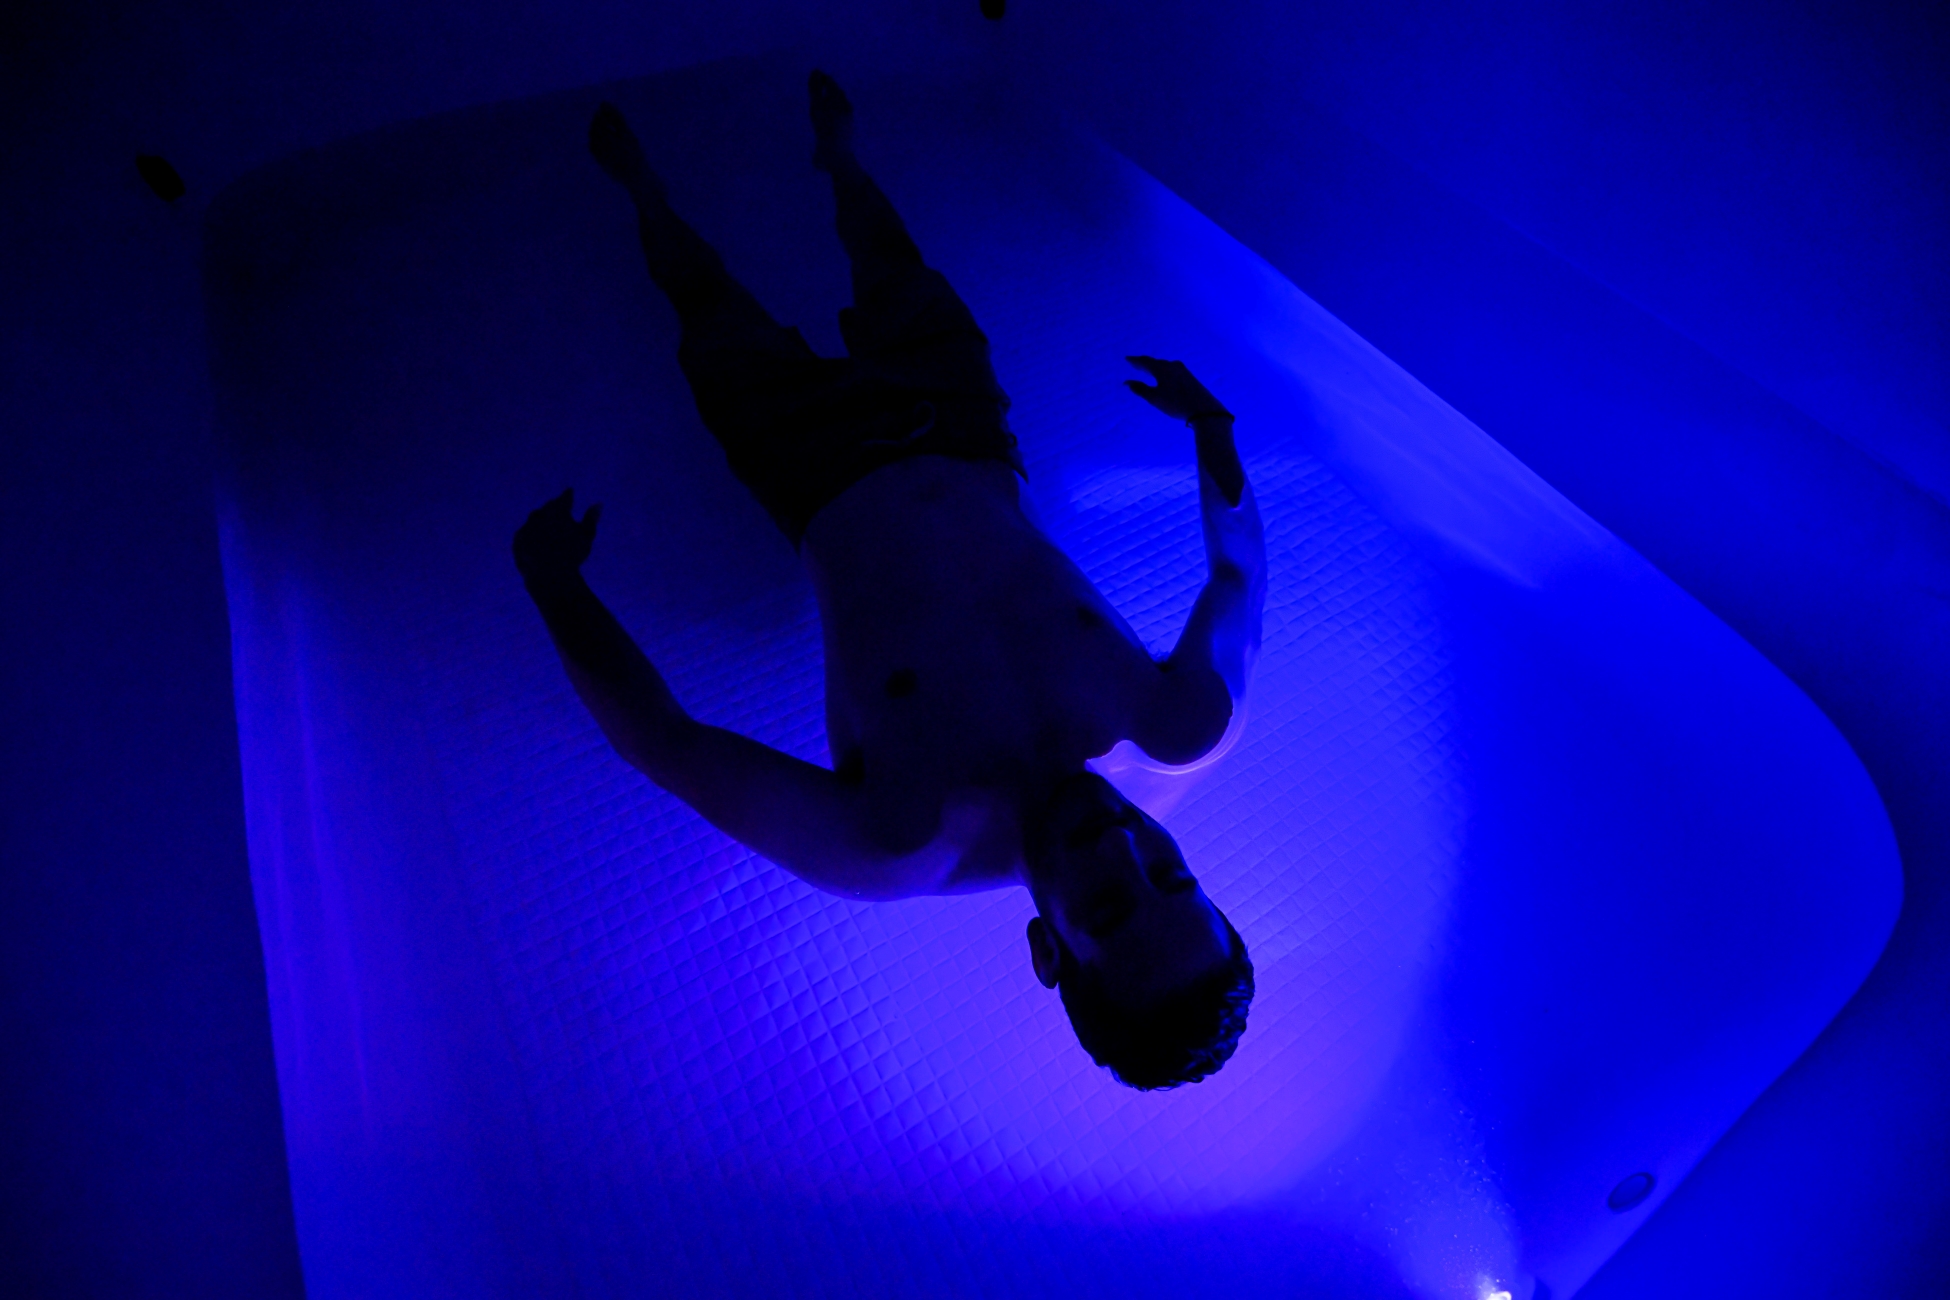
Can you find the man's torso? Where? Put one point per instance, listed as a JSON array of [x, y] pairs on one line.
[[968, 661]]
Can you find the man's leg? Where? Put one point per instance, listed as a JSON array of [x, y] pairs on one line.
[[871, 230], [759, 388], [684, 266], [907, 328]]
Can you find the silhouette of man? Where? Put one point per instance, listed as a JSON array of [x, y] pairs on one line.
[[971, 668]]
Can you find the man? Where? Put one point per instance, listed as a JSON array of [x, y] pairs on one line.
[[971, 668]]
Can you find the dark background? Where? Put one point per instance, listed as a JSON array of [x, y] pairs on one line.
[[1719, 232]]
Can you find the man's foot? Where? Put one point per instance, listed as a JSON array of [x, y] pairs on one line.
[[832, 119], [615, 147]]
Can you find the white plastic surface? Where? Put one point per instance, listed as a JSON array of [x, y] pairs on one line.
[[1544, 872]]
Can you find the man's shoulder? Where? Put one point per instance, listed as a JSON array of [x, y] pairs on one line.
[[1187, 715]]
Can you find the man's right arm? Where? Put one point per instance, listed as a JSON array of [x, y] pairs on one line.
[[618, 684], [797, 814]]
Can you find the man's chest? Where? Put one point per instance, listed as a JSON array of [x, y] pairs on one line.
[[962, 646], [981, 676]]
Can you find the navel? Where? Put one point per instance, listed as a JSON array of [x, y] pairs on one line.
[[1088, 617], [901, 683]]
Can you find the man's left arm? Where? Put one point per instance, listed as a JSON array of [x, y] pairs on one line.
[[1221, 638], [1220, 644], [1224, 629]]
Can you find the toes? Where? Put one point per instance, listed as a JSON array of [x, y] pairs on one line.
[[827, 97], [602, 130], [610, 128]]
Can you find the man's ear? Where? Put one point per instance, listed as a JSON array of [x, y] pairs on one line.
[[1042, 951]]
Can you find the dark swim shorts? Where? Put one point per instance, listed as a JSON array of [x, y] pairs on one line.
[[799, 429]]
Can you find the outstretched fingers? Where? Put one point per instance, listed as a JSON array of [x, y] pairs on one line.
[[563, 507], [1178, 393], [1164, 372], [552, 545]]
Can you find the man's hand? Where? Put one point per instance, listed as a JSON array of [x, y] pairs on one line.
[[552, 545], [1176, 393], [1182, 397]]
